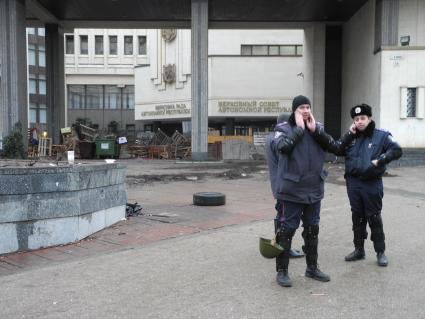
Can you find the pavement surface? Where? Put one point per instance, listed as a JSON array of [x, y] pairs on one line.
[[177, 260]]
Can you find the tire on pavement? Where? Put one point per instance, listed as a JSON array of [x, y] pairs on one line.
[[209, 199]]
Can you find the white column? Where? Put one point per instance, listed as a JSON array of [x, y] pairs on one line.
[[13, 67], [199, 80]]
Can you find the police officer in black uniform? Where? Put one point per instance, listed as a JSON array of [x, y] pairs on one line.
[[365, 163], [272, 162], [299, 187]]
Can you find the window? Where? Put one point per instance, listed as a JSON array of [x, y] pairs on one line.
[[42, 115], [42, 84], [148, 128], [69, 44], [246, 50], [41, 55], [112, 97], [31, 30], [130, 128], [241, 130], [287, 50], [94, 96], [84, 44], [411, 102], [113, 50], [299, 50], [142, 45], [33, 113], [31, 54], [76, 97], [128, 45], [128, 97], [98, 44], [259, 50], [32, 84], [38, 113], [272, 50]]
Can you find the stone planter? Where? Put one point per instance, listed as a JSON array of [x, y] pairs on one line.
[[47, 206]]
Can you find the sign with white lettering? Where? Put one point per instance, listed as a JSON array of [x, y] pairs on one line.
[[249, 107], [219, 108], [163, 111]]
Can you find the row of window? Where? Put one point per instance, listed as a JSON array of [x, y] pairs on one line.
[[99, 42], [37, 31], [100, 97], [272, 50]]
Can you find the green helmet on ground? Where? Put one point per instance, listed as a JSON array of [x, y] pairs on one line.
[[269, 248]]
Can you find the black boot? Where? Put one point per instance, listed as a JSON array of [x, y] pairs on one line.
[[382, 259], [283, 279], [378, 238], [314, 272], [282, 261], [357, 254], [310, 235], [360, 234]]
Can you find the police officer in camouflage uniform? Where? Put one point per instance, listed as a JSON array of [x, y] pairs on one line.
[[365, 163]]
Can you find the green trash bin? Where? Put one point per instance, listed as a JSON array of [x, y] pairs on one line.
[[106, 148]]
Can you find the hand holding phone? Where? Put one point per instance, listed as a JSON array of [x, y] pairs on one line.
[[311, 123]]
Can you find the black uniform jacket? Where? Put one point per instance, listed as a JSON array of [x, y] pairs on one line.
[[361, 148]]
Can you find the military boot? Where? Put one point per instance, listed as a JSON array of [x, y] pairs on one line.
[[357, 254], [360, 234], [283, 279], [311, 240], [382, 259], [378, 238], [282, 261], [314, 272]]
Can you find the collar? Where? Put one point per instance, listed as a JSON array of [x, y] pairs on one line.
[[368, 132]]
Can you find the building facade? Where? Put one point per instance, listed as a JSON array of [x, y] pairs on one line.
[[252, 74], [386, 69], [99, 70]]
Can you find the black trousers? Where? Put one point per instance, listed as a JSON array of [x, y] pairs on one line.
[[366, 205]]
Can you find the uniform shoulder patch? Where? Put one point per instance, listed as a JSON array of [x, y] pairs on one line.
[[277, 134]]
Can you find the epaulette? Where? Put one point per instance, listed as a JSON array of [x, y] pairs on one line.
[[281, 126], [383, 130]]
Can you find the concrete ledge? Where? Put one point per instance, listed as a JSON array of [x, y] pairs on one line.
[[56, 231], [22, 180], [16, 208], [46, 206]]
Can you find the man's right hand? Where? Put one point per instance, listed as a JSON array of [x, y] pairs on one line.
[[299, 119], [353, 128]]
